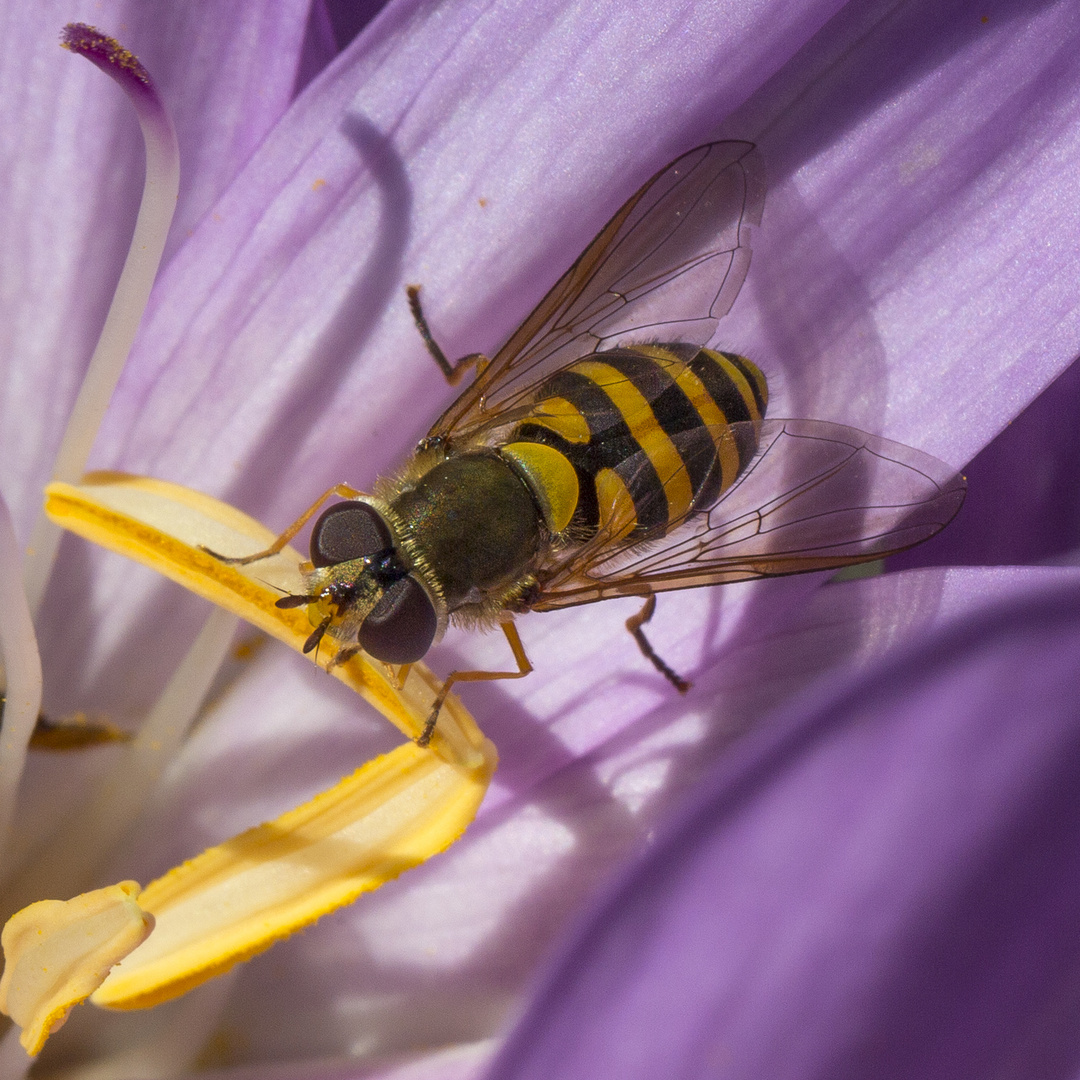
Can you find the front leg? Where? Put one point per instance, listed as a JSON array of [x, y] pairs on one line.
[[343, 491]]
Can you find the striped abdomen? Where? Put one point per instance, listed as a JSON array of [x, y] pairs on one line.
[[647, 432]]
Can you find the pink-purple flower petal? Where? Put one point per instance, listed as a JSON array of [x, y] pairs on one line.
[[882, 882], [914, 276], [444, 953], [279, 356], [1021, 505], [73, 175]]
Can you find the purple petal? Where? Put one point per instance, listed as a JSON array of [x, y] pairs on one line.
[[349, 17], [903, 287], [278, 342], [279, 356], [885, 883], [442, 954], [320, 46], [73, 175], [913, 276], [1021, 506]]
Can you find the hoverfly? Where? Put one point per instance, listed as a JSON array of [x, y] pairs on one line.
[[604, 452]]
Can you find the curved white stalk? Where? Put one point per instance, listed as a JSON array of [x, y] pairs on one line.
[[96, 826], [22, 665], [132, 290]]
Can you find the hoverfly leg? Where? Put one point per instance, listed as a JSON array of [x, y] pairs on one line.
[[342, 656], [397, 674], [452, 371], [634, 625], [524, 668], [342, 491]]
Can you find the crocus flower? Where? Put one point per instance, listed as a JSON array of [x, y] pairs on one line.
[[913, 277]]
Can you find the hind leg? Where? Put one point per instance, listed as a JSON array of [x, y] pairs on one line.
[[634, 625]]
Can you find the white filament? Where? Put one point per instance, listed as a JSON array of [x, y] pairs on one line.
[[22, 665], [117, 335]]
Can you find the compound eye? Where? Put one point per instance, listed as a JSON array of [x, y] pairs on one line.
[[402, 625], [348, 530]]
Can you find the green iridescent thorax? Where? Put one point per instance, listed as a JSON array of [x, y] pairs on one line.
[[471, 525]]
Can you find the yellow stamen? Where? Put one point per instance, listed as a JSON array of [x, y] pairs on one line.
[[58, 952], [238, 898]]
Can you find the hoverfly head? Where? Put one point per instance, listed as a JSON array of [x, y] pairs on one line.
[[360, 589]]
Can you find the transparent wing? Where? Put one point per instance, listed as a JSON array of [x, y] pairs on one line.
[[666, 267], [816, 497]]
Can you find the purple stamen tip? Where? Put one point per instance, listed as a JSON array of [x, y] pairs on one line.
[[106, 52]]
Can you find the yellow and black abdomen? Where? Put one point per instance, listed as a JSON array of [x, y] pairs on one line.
[[652, 434]]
